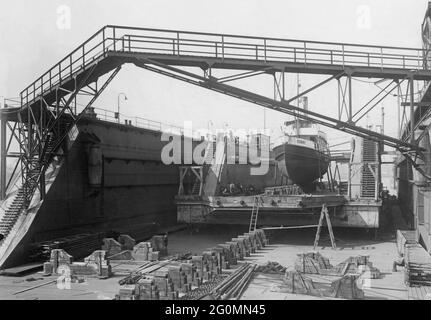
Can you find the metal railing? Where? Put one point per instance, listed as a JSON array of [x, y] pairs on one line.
[[219, 46], [10, 103], [110, 116], [139, 122]]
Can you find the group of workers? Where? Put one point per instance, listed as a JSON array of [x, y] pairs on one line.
[[238, 189]]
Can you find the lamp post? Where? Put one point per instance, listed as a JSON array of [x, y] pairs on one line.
[[118, 104]]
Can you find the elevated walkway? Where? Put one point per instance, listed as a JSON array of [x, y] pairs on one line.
[[113, 46]]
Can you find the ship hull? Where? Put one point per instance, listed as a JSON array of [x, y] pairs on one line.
[[301, 165]]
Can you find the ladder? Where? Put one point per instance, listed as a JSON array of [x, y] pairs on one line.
[[196, 188], [254, 213], [324, 214]]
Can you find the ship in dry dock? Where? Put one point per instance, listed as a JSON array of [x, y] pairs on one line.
[[82, 177], [302, 153]]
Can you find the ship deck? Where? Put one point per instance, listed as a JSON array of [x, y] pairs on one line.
[[280, 210], [277, 202]]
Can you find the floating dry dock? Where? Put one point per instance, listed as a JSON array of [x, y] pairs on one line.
[[278, 210]]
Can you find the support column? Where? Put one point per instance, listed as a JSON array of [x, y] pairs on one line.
[[3, 159], [380, 149], [350, 99], [284, 85], [349, 182], [339, 100], [399, 111], [42, 186], [412, 111]]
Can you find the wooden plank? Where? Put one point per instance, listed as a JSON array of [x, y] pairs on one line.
[[424, 292], [293, 227], [414, 293], [418, 293], [34, 287], [409, 293]]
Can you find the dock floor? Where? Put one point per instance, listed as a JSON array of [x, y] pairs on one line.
[[284, 245]]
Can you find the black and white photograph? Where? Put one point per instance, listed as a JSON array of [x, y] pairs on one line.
[[210, 158]]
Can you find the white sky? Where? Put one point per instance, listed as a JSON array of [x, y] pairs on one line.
[[31, 42]]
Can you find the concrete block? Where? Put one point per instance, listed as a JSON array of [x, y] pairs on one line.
[[141, 251], [160, 243], [154, 256], [47, 269], [59, 257], [111, 246]]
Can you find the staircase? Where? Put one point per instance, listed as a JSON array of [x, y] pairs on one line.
[[210, 152], [35, 169], [12, 213], [215, 169], [368, 182]]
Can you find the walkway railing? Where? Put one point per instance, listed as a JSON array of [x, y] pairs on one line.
[[10, 103], [143, 123], [110, 116], [220, 46]]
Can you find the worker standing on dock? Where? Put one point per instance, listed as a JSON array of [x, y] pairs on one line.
[[231, 188], [400, 262]]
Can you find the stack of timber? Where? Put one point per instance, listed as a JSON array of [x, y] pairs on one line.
[[360, 265], [95, 265], [418, 265], [125, 248], [295, 282], [315, 263], [78, 246], [312, 262], [234, 285], [204, 290], [271, 268], [419, 293], [417, 271], [195, 276], [344, 287], [137, 274], [149, 282]]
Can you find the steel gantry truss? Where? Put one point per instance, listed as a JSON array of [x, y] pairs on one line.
[[41, 131], [49, 108], [284, 106]]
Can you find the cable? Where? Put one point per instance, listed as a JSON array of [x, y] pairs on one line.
[[365, 81], [392, 94]]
